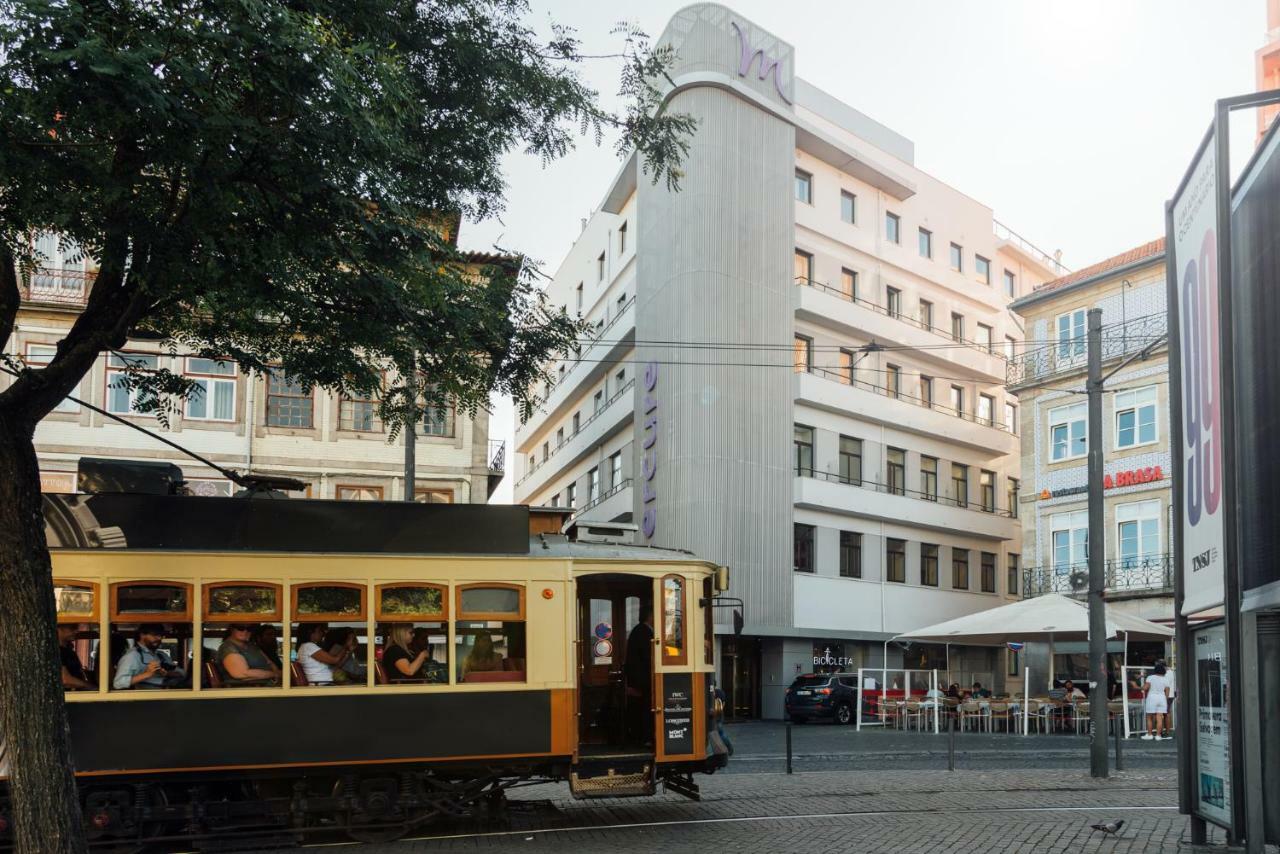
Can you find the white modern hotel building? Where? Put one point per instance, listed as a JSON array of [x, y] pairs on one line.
[[797, 370]]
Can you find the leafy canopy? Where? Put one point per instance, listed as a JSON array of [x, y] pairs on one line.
[[264, 181]]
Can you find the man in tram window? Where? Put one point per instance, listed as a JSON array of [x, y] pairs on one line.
[[73, 675], [638, 671], [146, 665]]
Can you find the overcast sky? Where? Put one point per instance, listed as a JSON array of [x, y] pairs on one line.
[[1073, 121]]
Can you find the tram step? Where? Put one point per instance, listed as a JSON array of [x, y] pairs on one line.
[[601, 781], [257, 842]]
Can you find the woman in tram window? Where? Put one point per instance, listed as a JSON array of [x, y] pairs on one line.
[[483, 657], [318, 663], [341, 643], [401, 664]]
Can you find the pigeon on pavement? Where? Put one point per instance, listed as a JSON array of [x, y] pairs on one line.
[[1109, 827]]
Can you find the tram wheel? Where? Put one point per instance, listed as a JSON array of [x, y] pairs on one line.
[[374, 820]]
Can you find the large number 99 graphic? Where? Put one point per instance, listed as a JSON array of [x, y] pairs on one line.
[[1202, 430]]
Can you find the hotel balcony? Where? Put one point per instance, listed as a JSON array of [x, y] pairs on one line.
[[828, 492], [1130, 576], [56, 286], [614, 414], [834, 308], [837, 392], [618, 501]]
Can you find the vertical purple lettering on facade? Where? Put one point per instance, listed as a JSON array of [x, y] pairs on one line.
[[768, 65], [649, 457]]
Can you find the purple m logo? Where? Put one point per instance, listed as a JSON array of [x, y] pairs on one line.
[[767, 63]]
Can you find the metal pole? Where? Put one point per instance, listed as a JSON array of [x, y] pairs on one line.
[[951, 744], [1097, 550], [1116, 732], [788, 747]]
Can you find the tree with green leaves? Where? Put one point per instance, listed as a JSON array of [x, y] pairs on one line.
[[264, 181]]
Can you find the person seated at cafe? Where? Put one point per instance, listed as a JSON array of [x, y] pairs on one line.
[[954, 691], [265, 639], [317, 662], [401, 664], [979, 692], [73, 675], [145, 664], [341, 642], [482, 658], [1073, 692], [242, 663]]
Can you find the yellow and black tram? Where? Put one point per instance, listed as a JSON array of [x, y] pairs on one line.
[[525, 650]]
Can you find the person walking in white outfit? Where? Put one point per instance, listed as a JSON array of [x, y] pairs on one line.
[[1156, 702]]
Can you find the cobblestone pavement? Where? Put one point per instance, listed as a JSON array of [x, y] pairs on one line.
[[880, 811]]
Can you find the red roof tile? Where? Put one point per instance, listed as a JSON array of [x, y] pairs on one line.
[[1146, 250]]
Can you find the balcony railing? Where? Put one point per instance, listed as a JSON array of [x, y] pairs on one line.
[[841, 293], [1070, 356], [603, 408], [1003, 232], [895, 489], [600, 328], [497, 455], [614, 490], [1147, 574], [845, 378], [56, 285]]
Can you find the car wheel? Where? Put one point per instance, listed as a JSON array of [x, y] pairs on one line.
[[844, 714], [797, 719]]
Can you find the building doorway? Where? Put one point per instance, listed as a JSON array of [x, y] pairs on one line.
[[740, 676]]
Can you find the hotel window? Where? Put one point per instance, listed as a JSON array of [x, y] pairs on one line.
[[1010, 347], [985, 338], [803, 548], [560, 373], [803, 268], [600, 268], [850, 554], [622, 239], [848, 207], [1136, 417], [571, 496], [1011, 418], [926, 314], [960, 484], [1010, 283], [982, 267], [1069, 536], [559, 436], [926, 391], [438, 420], [959, 569], [546, 451], [803, 450], [893, 301], [849, 283], [957, 257], [1067, 436], [359, 493], [579, 297], [533, 462], [926, 243], [433, 496], [1011, 571], [895, 560], [597, 402], [593, 484], [577, 420], [845, 368], [615, 470], [957, 400], [957, 326], [851, 460], [896, 464], [928, 564], [892, 228], [1071, 334], [1011, 498], [892, 380], [620, 379], [1138, 532], [987, 490], [929, 478], [803, 354], [359, 414], [986, 409], [289, 404], [804, 187], [42, 354], [988, 580], [121, 399]]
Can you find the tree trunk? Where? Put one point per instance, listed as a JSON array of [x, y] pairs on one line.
[[33, 720]]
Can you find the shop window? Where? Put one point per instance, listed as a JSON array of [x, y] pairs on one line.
[[674, 648], [150, 643], [489, 635]]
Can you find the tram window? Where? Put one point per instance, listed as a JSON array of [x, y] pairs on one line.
[[709, 623], [225, 601], [329, 602], [674, 650], [79, 649], [143, 599], [77, 601], [413, 653], [150, 655], [241, 654], [329, 654], [490, 600], [489, 650]]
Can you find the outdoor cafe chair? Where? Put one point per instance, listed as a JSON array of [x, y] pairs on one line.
[[974, 711], [1080, 715], [1032, 715], [913, 714], [999, 711]]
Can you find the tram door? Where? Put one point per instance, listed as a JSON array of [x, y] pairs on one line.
[[608, 610]]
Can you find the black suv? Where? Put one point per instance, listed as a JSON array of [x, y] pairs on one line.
[[823, 695]]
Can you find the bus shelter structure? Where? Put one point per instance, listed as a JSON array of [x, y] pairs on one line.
[[1044, 619]]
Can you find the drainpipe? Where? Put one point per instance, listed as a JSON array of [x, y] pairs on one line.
[[250, 419]]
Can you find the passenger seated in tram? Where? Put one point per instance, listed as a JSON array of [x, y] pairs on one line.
[[266, 638], [483, 658], [317, 661], [146, 665], [73, 675], [241, 663], [401, 664], [343, 641]]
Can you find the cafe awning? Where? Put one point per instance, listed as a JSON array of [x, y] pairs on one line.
[[1044, 618]]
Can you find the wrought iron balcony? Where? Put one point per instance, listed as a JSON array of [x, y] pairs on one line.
[[56, 285], [1069, 356], [1147, 574], [497, 455]]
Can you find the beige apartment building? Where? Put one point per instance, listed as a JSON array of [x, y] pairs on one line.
[[242, 421], [1048, 377]]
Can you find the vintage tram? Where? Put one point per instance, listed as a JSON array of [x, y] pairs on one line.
[[524, 635]]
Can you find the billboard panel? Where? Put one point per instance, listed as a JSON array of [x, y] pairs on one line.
[[1195, 265], [1213, 725]]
